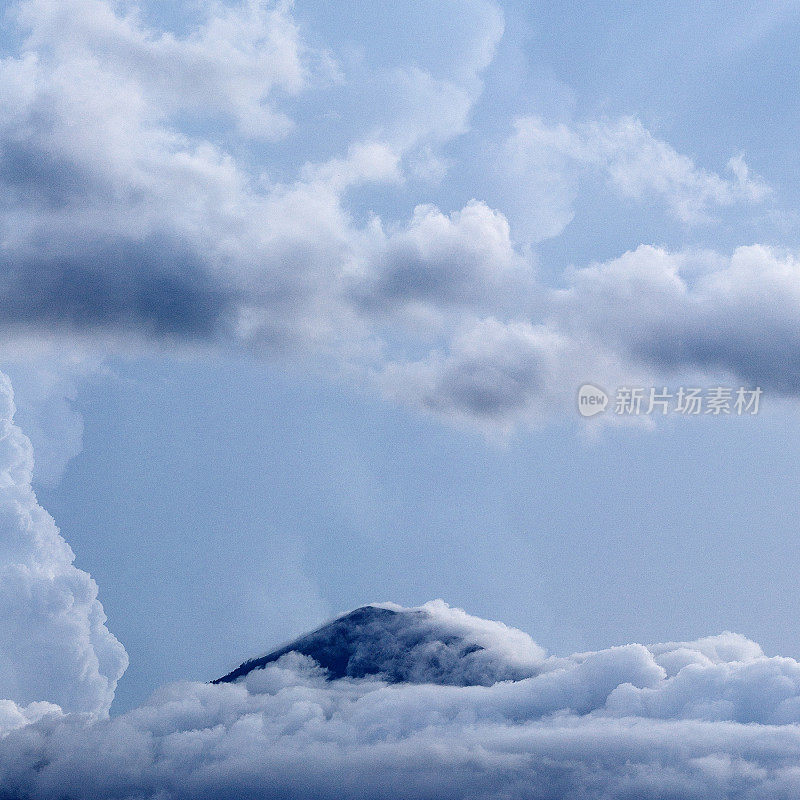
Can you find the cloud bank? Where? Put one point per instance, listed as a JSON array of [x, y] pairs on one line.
[[141, 203], [709, 718]]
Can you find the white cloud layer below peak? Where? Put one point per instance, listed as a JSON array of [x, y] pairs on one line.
[[713, 717]]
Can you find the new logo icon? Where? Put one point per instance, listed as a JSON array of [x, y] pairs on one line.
[[591, 400]]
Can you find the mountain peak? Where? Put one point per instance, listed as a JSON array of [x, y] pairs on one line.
[[433, 643]]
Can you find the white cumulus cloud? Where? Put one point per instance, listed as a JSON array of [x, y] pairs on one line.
[[54, 644]]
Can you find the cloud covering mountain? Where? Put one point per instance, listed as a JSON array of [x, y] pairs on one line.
[[432, 644], [710, 718]]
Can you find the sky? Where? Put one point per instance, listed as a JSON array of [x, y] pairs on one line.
[[296, 300]]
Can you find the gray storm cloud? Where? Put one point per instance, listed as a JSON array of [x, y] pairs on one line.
[[120, 220]]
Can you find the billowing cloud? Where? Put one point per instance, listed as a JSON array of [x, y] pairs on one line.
[[677, 312], [139, 201], [647, 317], [708, 718], [439, 261], [117, 221], [232, 64], [54, 644]]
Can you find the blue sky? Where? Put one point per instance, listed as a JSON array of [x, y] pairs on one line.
[[297, 300]]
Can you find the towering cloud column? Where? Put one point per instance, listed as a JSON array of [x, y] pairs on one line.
[[54, 645]]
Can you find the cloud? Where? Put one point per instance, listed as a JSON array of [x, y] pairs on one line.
[[117, 220], [54, 645], [443, 260], [648, 317], [494, 371], [45, 389], [232, 64], [138, 204], [152, 288], [695, 311], [546, 162], [417, 90], [709, 718]]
